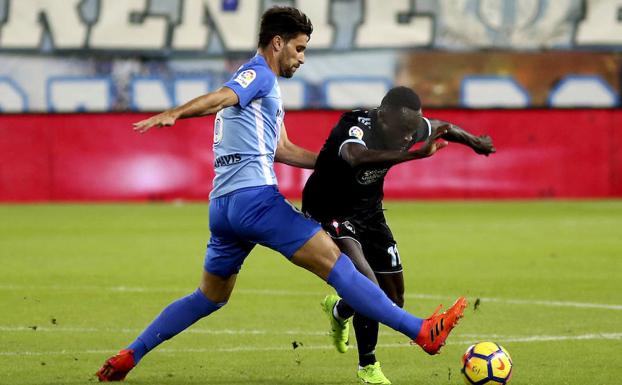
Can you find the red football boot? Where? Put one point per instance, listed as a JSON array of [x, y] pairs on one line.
[[116, 367], [435, 329]]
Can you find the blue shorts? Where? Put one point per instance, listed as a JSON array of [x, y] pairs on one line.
[[256, 215]]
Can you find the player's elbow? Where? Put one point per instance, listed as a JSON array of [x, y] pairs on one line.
[[282, 152]]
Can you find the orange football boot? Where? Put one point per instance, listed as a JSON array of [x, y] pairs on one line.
[[436, 328], [116, 367]]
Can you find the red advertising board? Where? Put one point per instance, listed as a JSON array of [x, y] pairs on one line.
[[541, 153]]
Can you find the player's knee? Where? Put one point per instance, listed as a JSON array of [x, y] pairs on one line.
[[333, 251], [328, 249], [205, 305], [211, 296], [399, 300], [329, 255], [215, 288]]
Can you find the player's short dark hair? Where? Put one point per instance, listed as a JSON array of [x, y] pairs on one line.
[[401, 97], [287, 22]]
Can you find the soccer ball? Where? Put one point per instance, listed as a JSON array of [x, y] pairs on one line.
[[486, 363]]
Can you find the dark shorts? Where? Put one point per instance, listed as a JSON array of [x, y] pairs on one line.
[[258, 215], [375, 238]]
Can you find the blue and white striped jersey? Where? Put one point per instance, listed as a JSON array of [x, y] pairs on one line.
[[246, 135]]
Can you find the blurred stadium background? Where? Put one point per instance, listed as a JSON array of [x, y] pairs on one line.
[[553, 67], [542, 77]]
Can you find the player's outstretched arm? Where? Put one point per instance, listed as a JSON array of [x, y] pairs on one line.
[[293, 155], [480, 144], [203, 105], [356, 154]]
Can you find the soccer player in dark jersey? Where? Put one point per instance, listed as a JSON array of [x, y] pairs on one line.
[[345, 194]]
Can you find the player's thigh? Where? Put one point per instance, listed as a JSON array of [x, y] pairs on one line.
[[381, 252], [380, 247], [225, 255]]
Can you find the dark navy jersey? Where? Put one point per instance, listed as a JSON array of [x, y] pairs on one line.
[[339, 191]]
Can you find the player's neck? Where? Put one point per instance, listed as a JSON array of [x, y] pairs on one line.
[[270, 58]]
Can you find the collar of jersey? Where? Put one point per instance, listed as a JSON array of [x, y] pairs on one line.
[[258, 58]]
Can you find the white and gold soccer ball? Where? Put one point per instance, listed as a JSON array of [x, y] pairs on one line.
[[486, 363]]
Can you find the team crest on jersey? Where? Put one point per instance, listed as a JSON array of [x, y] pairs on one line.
[[356, 132], [245, 78]]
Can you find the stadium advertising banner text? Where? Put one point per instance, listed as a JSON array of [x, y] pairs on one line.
[[149, 55], [217, 27]]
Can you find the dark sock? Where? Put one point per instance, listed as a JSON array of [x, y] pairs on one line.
[[366, 331], [344, 310]]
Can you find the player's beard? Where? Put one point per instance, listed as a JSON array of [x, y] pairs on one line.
[[288, 71]]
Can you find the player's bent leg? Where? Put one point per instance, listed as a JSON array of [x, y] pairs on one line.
[[213, 293], [322, 257], [369, 300], [318, 255]]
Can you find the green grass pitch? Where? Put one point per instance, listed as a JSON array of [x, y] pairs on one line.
[[78, 282]]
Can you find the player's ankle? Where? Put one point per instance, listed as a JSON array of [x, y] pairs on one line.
[[336, 314], [367, 359], [343, 310]]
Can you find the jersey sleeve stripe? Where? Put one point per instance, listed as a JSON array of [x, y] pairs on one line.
[[429, 126]]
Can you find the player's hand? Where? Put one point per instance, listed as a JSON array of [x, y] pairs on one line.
[[433, 144], [166, 118], [484, 146]]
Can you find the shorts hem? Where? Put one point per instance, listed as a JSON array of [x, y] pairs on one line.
[[347, 237], [299, 246]]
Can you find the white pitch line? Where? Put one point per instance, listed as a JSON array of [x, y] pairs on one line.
[[283, 293], [552, 303], [599, 336], [466, 336], [525, 339], [60, 329]]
